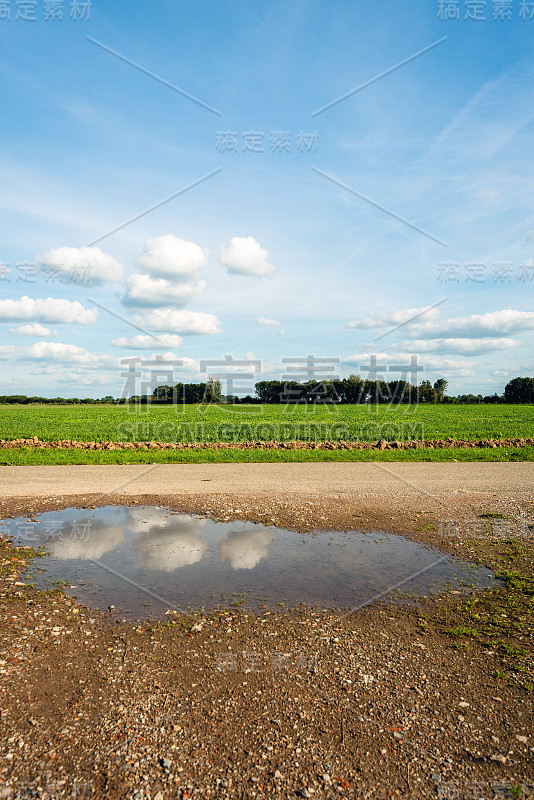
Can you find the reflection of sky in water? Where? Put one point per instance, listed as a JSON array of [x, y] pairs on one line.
[[85, 542], [191, 561], [245, 549], [168, 542]]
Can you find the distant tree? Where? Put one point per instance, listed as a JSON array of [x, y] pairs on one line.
[[214, 391], [426, 393], [519, 390], [441, 387], [269, 391]]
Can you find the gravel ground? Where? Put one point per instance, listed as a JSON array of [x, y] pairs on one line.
[[386, 701]]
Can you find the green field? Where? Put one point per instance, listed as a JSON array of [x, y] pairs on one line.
[[221, 423], [244, 423]]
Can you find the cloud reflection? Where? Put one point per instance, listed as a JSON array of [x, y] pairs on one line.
[[245, 549], [166, 541], [85, 540]]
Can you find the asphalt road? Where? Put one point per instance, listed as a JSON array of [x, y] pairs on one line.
[[312, 478]]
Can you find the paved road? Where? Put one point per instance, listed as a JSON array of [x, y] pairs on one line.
[[311, 478]]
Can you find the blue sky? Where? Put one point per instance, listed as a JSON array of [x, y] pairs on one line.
[[276, 254]]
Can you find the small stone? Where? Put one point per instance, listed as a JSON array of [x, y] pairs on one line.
[[523, 739], [499, 758], [463, 704], [278, 775], [304, 792], [166, 763], [159, 796]]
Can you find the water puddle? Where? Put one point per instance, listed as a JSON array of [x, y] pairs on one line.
[[147, 560]]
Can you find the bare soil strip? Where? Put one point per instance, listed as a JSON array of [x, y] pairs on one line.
[[295, 444]]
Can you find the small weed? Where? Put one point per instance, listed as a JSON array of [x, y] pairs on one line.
[[493, 515], [462, 632]]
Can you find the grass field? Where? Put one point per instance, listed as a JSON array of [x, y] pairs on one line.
[[283, 423], [244, 423]]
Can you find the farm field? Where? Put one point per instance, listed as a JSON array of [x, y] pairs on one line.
[[109, 423], [220, 423]]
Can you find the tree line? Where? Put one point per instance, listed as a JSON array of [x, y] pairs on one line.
[[352, 390]]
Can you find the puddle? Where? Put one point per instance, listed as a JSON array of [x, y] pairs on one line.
[[147, 560]]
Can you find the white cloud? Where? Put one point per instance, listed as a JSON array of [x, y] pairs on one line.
[[99, 267], [48, 370], [462, 346], [33, 329], [245, 256], [389, 318], [146, 291], [90, 379], [432, 363], [169, 273], [7, 352], [431, 325], [65, 353], [170, 320], [500, 373], [190, 364], [269, 323], [50, 310], [492, 323], [149, 342], [174, 361], [281, 332], [171, 257]]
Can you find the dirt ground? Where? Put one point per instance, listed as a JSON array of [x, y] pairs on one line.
[[428, 700]]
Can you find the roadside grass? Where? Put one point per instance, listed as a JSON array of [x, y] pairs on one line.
[[29, 456], [500, 621]]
